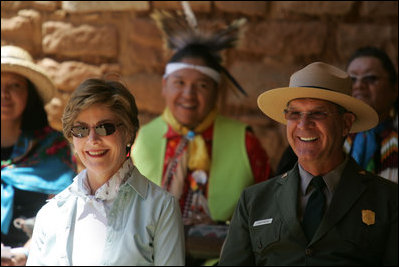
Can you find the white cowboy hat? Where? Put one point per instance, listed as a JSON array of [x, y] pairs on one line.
[[321, 81], [17, 60]]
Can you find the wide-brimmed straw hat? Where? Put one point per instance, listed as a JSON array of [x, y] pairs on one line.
[[321, 81], [17, 60]]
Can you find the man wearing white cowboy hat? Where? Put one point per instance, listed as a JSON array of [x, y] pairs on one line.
[[346, 216]]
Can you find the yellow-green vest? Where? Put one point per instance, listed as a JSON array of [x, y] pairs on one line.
[[230, 170]]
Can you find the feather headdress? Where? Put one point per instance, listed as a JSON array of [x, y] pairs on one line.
[[181, 31]]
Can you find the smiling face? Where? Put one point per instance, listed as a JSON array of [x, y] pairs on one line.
[[189, 94], [14, 96], [101, 155], [318, 142], [370, 83]]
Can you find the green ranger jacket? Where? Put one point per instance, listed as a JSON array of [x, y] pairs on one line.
[[359, 228]]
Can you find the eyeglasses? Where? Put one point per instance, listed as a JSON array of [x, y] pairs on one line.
[[103, 129], [367, 79], [312, 115]]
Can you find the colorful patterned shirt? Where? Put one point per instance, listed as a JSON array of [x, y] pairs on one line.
[[257, 156]]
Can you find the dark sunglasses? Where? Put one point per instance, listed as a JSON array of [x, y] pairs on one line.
[[103, 129]]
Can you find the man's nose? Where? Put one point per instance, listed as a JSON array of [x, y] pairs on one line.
[[358, 83], [189, 89], [304, 120]]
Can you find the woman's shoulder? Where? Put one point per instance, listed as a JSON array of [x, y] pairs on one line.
[[53, 147], [48, 137], [47, 132], [53, 207], [145, 187], [60, 199], [149, 196]]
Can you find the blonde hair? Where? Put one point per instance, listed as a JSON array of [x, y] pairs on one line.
[[112, 94]]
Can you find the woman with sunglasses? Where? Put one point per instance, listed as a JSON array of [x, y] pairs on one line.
[[110, 214], [36, 160]]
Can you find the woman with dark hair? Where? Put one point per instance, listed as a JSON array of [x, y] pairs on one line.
[[374, 80], [34, 116], [36, 160]]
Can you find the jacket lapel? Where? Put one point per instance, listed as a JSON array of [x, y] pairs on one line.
[[348, 191], [287, 199]]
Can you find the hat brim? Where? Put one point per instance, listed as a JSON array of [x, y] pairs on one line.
[[274, 101], [44, 86]]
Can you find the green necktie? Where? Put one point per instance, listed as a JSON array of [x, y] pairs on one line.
[[315, 208]]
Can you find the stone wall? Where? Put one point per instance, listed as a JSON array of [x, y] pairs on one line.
[[74, 40]]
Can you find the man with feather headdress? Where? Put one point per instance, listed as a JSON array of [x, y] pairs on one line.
[[201, 157]]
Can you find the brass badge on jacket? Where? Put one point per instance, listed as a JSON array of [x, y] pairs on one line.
[[368, 217]]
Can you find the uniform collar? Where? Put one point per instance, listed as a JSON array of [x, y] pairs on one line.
[[331, 179]]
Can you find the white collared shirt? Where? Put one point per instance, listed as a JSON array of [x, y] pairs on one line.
[[91, 217], [143, 225]]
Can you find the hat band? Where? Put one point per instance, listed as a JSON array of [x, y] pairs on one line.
[[317, 87], [175, 66]]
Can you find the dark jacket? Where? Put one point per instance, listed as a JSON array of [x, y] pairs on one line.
[[347, 235]]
